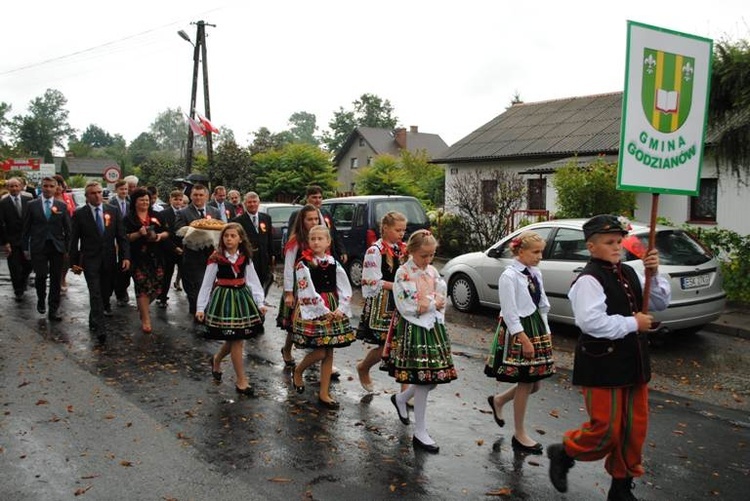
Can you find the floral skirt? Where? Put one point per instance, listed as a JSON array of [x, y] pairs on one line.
[[376, 318], [322, 332], [415, 355], [506, 361], [148, 278], [232, 314], [284, 317]]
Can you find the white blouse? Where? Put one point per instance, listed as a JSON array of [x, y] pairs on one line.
[[515, 298], [372, 271], [413, 283], [310, 302], [209, 277]]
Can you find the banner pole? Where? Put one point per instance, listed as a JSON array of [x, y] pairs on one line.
[[651, 245]]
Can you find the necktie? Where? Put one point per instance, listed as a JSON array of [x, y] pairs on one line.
[[123, 207], [99, 222], [17, 200], [534, 289], [47, 208], [202, 213], [222, 212], [255, 221]]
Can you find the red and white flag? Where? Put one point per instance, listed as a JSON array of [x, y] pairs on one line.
[[207, 125], [195, 127]]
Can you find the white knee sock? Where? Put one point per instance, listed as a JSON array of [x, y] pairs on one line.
[[420, 412]]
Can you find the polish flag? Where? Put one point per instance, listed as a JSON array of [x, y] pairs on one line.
[[196, 128], [208, 126]]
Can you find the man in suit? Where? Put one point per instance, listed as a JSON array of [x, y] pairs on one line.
[[45, 240], [314, 196], [12, 209], [194, 260], [121, 200], [259, 231], [220, 202], [172, 246], [97, 245], [236, 199]]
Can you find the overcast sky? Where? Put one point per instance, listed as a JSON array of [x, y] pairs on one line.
[[446, 66]]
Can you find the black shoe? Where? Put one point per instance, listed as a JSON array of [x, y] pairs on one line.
[[559, 464], [18, 297], [620, 490], [123, 302], [216, 374], [418, 444], [332, 405], [247, 391], [54, 316], [287, 363], [335, 376], [101, 338], [404, 419], [298, 389], [108, 312], [491, 400], [527, 449], [40, 307]]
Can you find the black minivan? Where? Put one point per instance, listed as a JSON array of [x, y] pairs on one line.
[[358, 221]]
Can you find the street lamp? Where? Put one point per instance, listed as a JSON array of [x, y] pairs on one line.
[[185, 36]]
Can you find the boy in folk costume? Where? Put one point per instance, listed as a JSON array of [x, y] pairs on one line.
[[611, 361]]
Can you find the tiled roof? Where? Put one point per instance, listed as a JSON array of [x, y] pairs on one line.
[[85, 166], [382, 141], [587, 125]]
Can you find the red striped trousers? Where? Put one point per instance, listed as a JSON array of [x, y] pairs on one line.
[[617, 426]]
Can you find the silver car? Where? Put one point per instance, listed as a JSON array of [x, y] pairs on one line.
[[698, 296]]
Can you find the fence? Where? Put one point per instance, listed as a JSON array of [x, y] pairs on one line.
[[519, 218]]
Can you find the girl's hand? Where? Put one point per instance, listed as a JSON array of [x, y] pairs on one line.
[[143, 230], [338, 314], [439, 302], [289, 299], [199, 316], [527, 349], [263, 310]]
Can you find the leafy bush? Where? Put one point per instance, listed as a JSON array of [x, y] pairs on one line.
[[733, 252], [584, 191], [448, 231]]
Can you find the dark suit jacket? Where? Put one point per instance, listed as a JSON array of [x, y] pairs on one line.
[[88, 247], [188, 214], [37, 229], [168, 219], [228, 207], [11, 224], [261, 241], [114, 201], [337, 247]]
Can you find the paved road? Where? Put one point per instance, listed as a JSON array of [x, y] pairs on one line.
[[138, 418]]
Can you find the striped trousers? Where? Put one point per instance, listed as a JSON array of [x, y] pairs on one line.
[[617, 426]]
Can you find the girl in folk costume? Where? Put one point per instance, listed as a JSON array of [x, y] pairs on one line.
[[382, 260], [521, 352], [420, 352], [306, 218], [228, 302], [321, 317]]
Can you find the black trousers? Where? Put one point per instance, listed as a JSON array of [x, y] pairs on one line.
[[100, 280], [193, 268], [19, 268], [171, 261], [48, 262], [121, 284]]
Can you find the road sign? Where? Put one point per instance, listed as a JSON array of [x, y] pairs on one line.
[[112, 174]]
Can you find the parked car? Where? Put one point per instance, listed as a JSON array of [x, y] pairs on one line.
[[358, 221], [698, 296], [279, 213]]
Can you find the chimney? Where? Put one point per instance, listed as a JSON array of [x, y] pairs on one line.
[[399, 135], [414, 129]]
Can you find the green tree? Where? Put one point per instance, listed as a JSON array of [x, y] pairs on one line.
[[5, 110], [287, 171], [369, 111], [160, 169], [232, 167], [429, 178], [729, 105], [385, 176], [584, 191], [169, 129], [64, 169], [484, 203], [304, 127], [77, 181], [264, 141], [142, 147], [45, 126], [96, 137]]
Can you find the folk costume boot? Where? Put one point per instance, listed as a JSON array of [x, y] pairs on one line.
[[559, 464], [621, 490]]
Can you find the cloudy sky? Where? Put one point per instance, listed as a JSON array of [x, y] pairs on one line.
[[446, 66]]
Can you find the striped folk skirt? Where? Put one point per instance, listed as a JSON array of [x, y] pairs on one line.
[[415, 355], [322, 332], [506, 361], [376, 318], [232, 314]]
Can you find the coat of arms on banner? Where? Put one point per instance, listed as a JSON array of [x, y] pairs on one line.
[[667, 89]]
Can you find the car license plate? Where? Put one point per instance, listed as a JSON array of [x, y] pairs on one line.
[[696, 281]]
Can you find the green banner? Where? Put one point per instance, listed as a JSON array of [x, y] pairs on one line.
[[667, 89]]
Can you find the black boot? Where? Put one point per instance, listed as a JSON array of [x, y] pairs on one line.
[[559, 464], [621, 490]]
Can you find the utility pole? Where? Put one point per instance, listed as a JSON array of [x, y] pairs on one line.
[[199, 51]]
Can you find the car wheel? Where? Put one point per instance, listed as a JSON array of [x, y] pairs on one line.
[[355, 272], [463, 293]]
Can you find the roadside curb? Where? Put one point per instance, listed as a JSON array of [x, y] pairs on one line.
[[730, 330]]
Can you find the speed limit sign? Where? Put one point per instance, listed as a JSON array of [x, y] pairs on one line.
[[112, 174]]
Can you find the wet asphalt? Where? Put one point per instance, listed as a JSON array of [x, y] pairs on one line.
[[138, 417]]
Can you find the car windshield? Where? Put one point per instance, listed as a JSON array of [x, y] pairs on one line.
[[675, 248], [412, 210], [280, 215]]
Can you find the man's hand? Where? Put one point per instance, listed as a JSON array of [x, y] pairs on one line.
[[76, 269], [125, 264], [344, 258], [8, 249], [644, 321], [651, 261]]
